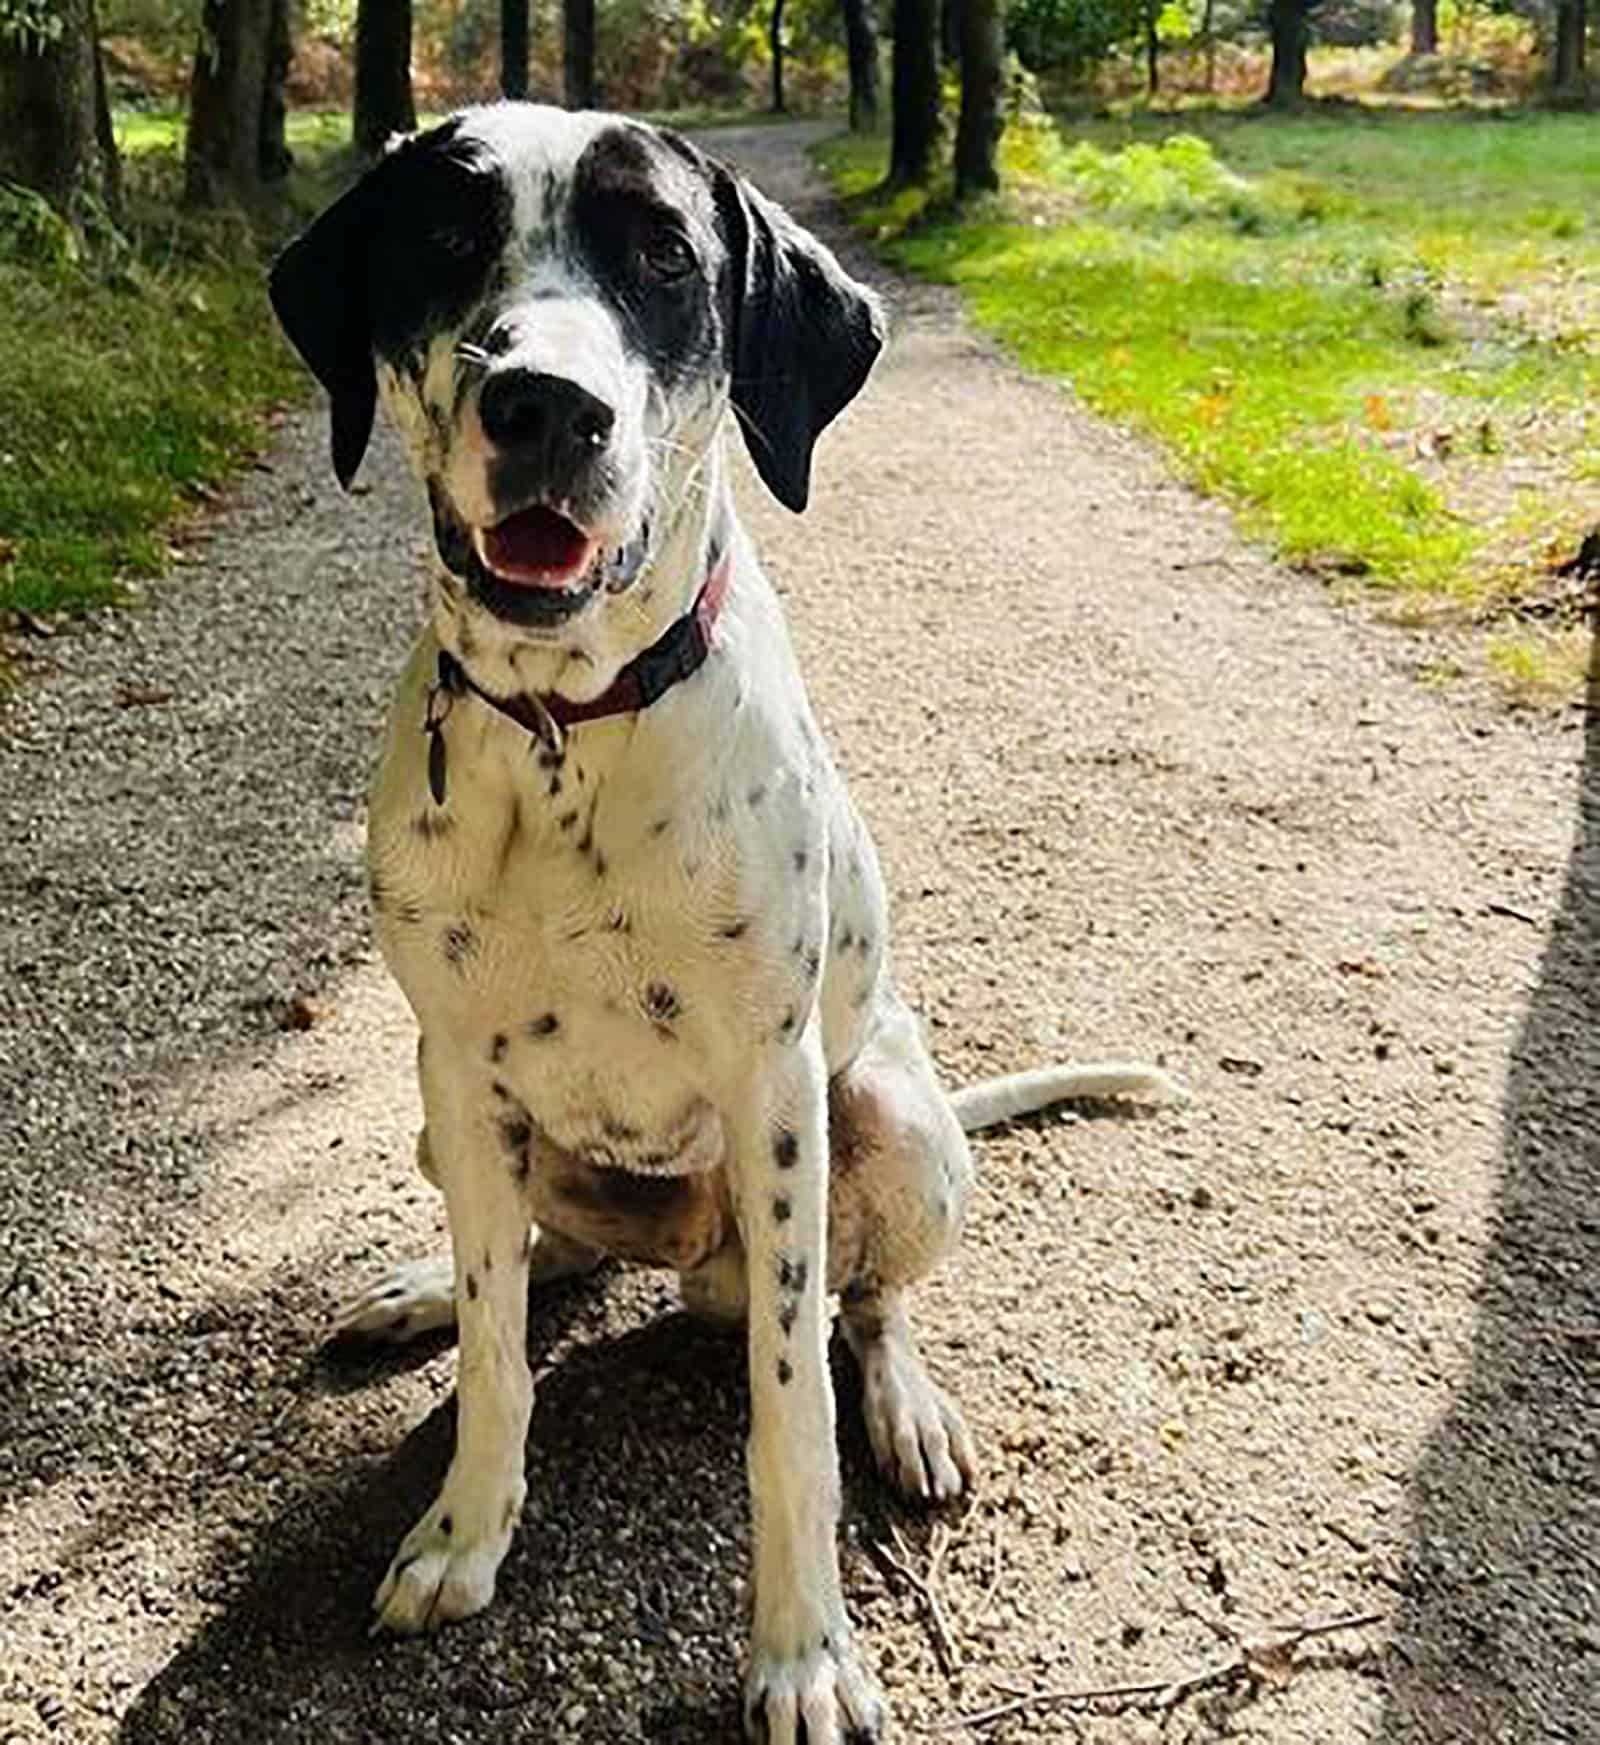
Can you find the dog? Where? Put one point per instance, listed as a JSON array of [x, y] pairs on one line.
[[612, 864]]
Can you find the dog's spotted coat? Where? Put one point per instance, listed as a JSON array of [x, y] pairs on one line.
[[646, 956]]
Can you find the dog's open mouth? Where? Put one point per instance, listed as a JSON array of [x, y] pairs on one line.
[[537, 548]]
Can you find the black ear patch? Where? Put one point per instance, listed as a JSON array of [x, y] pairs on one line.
[[803, 335], [404, 253], [318, 291]]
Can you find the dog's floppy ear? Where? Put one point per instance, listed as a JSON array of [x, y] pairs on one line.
[[318, 287], [804, 335]]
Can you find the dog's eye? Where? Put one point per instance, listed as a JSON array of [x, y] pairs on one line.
[[667, 256]]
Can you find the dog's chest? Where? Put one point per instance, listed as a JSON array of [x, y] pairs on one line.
[[581, 942]]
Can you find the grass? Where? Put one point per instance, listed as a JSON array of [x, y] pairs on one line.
[[147, 364], [1375, 334]]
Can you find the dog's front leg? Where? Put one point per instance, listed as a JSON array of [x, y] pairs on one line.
[[805, 1681], [445, 1568]]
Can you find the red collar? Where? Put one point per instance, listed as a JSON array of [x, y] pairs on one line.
[[679, 651]]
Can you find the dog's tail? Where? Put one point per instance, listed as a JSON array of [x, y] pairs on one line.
[[1024, 1093]]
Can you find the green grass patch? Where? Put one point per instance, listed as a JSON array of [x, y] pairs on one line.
[[136, 382], [1375, 336]]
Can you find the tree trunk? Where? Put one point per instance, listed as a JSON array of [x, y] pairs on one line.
[[1208, 29], [916, 89], [105, 136], [223, 153], [1152, 53], [1571, 30], [383, 103], [982, 79], [862, 47], [48, 136], [775, 38], [1425, 27], [578, 30], [514, 48], [1286, 85], [276, 158], [950, 32]]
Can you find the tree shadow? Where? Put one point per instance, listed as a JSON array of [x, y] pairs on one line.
[[621, 1609], [1498, 1635]]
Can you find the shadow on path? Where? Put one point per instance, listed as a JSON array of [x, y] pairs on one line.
[[1499, 1634]]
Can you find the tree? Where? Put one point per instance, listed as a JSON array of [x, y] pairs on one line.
[[50, 139], [861, 46], [915, 79], [1150, 20], [982, 78], [577, 19], [1286, 20], [222, 158], [1572, 28], [1424, 27], [514, 48], [775, 39], [383, 102], [275, 158]]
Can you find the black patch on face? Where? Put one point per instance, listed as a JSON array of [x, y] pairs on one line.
[[782, 1211], [458, 942], [547, 1024], [785, 1149], [446, 1526], [785, 1372], [644, 221]]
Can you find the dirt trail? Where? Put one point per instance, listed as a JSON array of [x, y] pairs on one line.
[[1326, 1340]]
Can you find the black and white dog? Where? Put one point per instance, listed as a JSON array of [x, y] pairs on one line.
[[613, 866]]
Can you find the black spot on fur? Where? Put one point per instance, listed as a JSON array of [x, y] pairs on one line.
[[662, 1003], [497, 1053], [618, 922], [458, 942], [864, 946], [785, 1372], [430, 824], [376, 893], [555, 786], [782, 1211], [801, 857], [735, 930], [792, 1273], [488, 1261], [545, 1025], [567, 820], [785, 1149], [787, 1028], [811, 962], [757, 794], [408, 913], [659, 826], [846, 939], [401, 1322], [472, 1287], [719, 809], [599, 864], [788, 1314], [446, 1525], [623, 1132]]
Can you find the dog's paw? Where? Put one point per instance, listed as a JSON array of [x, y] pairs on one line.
[[824, 1697], [417, 1297], [445, 1567], [916, 1430]]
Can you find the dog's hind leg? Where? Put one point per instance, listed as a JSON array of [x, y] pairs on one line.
[[419, 1296], [902, 1175]]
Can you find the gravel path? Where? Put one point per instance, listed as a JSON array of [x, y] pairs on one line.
[[1325, 1341]]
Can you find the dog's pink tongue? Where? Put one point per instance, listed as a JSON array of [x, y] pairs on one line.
[[537, 548]]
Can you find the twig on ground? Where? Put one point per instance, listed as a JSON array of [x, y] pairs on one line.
[[1269, 1656], [926, 1589]]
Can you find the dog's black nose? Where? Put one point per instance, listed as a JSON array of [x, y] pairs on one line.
[[546, 418]]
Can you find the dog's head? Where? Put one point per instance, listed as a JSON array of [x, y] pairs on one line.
[[560, 309]]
